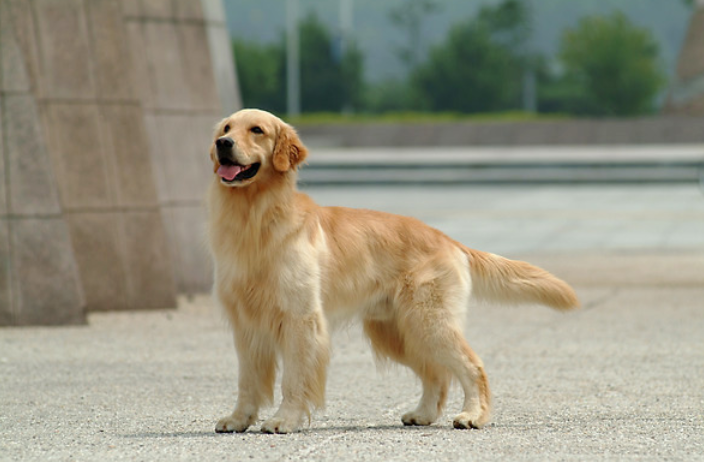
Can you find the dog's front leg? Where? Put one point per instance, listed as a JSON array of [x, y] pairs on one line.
[[305, 351], [257, 373]]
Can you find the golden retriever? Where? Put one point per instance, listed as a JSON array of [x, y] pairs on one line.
[[285, 268]]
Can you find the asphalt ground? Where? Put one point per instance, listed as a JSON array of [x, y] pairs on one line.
[[621, 379]]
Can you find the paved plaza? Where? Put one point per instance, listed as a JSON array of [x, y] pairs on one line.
[[621, 379]]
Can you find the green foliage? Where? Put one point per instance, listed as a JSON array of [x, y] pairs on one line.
[[610, 67], [476, 69], [261, 74], [329, 82]]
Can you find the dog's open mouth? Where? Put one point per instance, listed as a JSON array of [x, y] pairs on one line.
[[231, 172]]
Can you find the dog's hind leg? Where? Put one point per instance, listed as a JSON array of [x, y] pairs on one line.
[[257, 372], [387, 342]]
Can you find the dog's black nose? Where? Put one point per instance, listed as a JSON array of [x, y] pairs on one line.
[[224, 143]]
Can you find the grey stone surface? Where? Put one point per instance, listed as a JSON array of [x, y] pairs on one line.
[[157, 9], [31, 187], [180, 150], [165, 64], [148, 268], [65, 48], [127, 154], [622, 379], [98, 247], [223, 66], [140, 62], [20, 16], [198, 67], [109, 45], [13, 71], [3, 173], [6, 308], [45, 285], [131, 8], [83, 81], [185, 229], [188, 10], [78, 148]]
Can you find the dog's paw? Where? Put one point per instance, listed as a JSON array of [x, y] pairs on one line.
[[234, 423], [417, 418], [469, 420], [280, 425]]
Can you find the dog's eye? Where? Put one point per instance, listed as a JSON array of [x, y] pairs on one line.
[[257, 129], [226, 129]]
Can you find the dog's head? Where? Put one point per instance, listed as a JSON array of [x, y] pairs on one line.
[[253, 145]]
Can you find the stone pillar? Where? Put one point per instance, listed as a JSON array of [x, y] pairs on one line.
[[106, 114], [39, 277]]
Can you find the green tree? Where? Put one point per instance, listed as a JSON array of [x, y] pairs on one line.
[[260, 71], [476, 68], [330, 78], [612, 66]]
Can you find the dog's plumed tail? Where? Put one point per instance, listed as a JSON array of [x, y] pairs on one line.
[[500, 280]]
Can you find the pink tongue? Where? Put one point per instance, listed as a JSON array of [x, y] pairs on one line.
[[229, 172]]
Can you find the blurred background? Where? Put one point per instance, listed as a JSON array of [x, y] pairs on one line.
[[581, 120], [453, 58]]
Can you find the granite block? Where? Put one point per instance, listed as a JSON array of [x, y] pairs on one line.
[[188, 10], [23, 27], [64, 44], [141, 77], [198, 67], [3, 177], [166, 66], [13, 72], [131, 8], [45, 288], [6, 312], [127, 154], [213, 10], [185, 228], [32, 187], [177, 161], [113, 63], [78, 150], [150, 281], [223, 61], [151, 125], [97, 245], [158, 9]]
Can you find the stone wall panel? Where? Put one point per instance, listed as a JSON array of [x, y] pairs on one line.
[[78, 149], [110, 50], [32, 187], [127, 151], [6, 311], [165, 64], [65, 47], [198, 68], [45, 288], [97, 243], [150, 282]]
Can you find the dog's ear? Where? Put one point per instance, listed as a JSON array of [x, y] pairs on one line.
[[289, 150]]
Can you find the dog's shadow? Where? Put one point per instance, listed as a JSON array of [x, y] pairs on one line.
[[254, 432]]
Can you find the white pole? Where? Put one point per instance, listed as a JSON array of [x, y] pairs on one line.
[[293, 70]]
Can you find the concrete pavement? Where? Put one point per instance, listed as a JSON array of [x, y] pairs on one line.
[[622, 379]]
